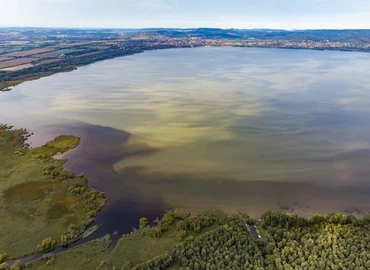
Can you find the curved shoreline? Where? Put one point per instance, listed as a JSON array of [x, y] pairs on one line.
[[66, 192]]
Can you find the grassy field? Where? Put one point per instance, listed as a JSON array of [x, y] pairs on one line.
[[136, 248], [38, 199], [131, 250], [92, 255]]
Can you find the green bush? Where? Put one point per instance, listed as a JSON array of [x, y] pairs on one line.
[[46, 245]]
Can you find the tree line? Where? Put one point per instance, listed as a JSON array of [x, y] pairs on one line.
[[335, 241]]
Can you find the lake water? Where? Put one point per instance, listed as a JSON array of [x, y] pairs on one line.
[[240, 129]]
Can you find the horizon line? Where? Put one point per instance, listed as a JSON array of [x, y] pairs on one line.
[[182, 28]]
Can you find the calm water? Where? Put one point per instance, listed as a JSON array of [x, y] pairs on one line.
[[234, 128]]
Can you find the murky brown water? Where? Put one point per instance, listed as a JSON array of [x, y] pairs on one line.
[[237, 129]]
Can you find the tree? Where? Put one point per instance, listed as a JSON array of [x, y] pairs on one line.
[[157, 231], [181, 225], [143, 222], [181, 235], [46, 245], [3, 257], [16, 266]]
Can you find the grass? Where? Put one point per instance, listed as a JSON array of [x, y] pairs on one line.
[[61, 144], [261, 230], [68, 51], [135, 248], [131, 250], [5, 86], [38, 199], [28, 191], [88, 256]]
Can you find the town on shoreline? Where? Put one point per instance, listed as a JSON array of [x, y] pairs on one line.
[[31, 53]]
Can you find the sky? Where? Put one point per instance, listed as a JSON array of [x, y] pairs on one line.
[[275, 14]]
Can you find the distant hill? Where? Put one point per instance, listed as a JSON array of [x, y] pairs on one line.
[[294, 35]]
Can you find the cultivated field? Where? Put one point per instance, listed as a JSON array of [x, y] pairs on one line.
[[48, 61], [54, 54], [4, 58], [16, 62], [74, 44], [16, 68], [88, 54], [31, 52]]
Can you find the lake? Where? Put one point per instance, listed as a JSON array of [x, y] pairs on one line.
[[240, 129]]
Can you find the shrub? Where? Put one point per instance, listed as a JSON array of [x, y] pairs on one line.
[[181, 235], [46, 245], [3, 257]]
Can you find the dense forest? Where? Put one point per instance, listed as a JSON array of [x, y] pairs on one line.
[[335, 241]]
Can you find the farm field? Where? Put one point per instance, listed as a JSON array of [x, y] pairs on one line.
[[16, 62], [87, 54], [53, 54], [4, 58], [23, 61], [74, 44], [16, 68], [47, 61], [30, 52]]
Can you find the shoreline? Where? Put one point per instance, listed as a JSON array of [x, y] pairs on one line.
[[60, 180], [77, 243], [8, 85]]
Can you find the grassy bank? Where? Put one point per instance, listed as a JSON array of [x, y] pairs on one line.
[[41, 205], [142, 245], [213, 240]]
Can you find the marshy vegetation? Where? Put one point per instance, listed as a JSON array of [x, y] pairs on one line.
[[42, 206]]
